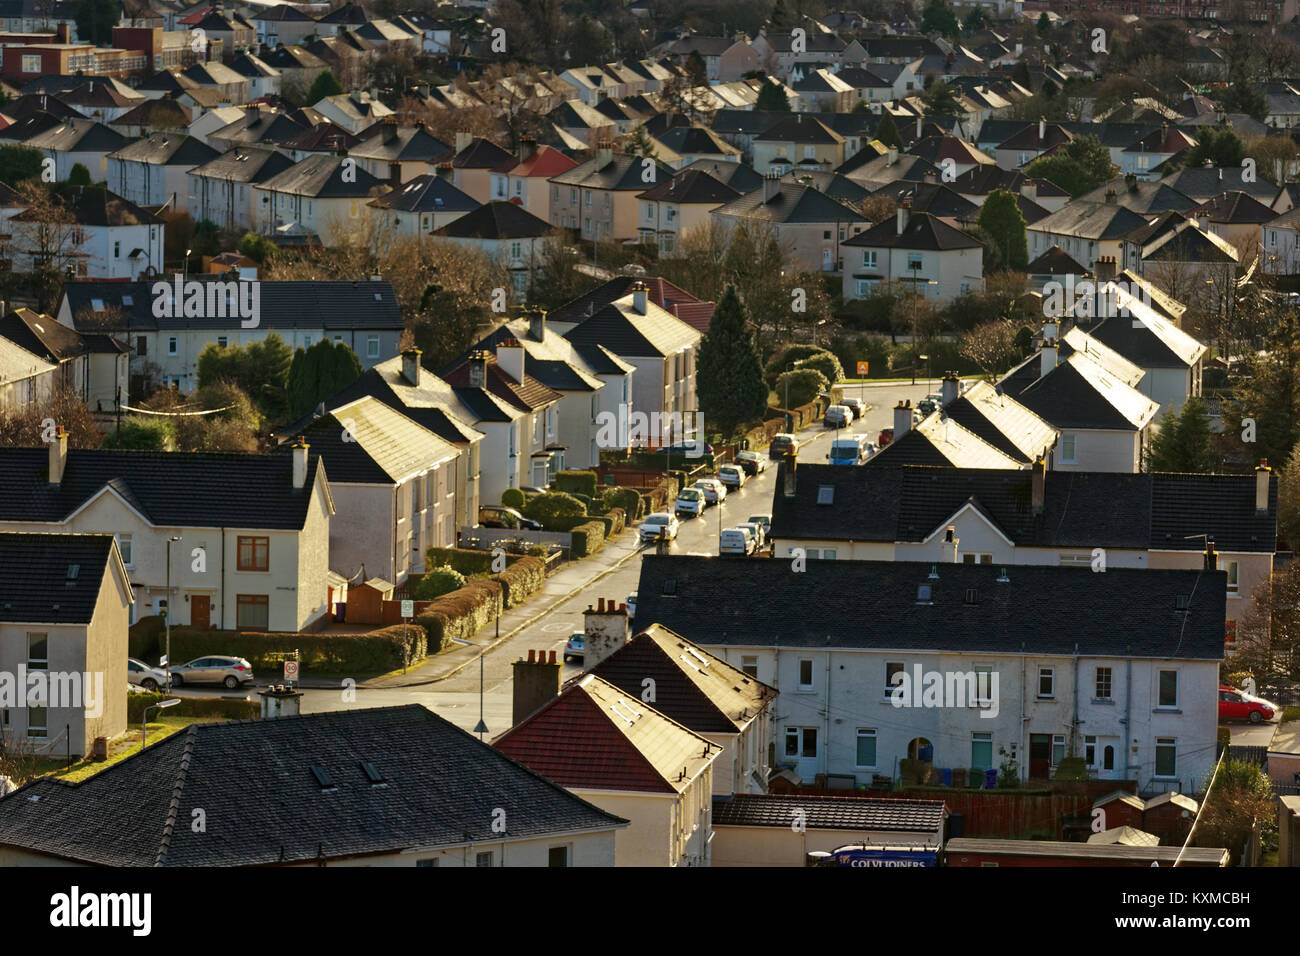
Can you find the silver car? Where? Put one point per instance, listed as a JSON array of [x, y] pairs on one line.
[[232, 672], [142, 675]]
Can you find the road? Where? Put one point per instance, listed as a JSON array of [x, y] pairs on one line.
[[457, 697]]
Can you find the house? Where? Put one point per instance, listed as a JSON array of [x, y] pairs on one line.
[[298, 66], [821, 90], [353, 111], [66, 614], [528, 182], [662, 348], [937, 441], [1086, 231], [263, 80], [939, 261], [815, 228], [1183, 258], [726, 59], [107, 237], [504, 232], [797, 140], [221, 190], [1281, 252], [394, 488], [281, 26], [1145, 156], [92, 366], [1237, 219], [68, 142], [243, 561], [384, 786], [473, 164], [998, 419], [599, 197], [153, 171], [671, 209], [1006, 662], [397, 153], [25, 377], [159, 325], [659, 291], [323, 195], [628, 759], [424, 204]]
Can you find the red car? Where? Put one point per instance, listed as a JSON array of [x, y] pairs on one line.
[[885, 437], [1235, 704]]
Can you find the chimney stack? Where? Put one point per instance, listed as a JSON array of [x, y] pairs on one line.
[[478, 368], [510, 356], [63, 32], [58, 455], [1037, 485], [1203, 221], [537, 324], [640, 295], [918, 125], [904, 215], [950, 540], [604, 155], [790, 473], [445, 170], [1262, 474], [1047, 356], [902, 418], [394, 175], [771, 186], [606, 627], [280, 700], [537, 683], [300, 462], [527, 148], [1211, 556], [1042, 129], [950, 388], [463, 139], [411, 365], [893, 155]]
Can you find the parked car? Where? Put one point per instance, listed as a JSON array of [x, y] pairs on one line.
[[690, 503], [737, 541], [926, 405], [715, 492], [574, 647], [231, 671], [499, 516], [531, 490], [140, 673], [782, 444], [631, 605], [885, 437], [1236, 704], [756, 532], [752, 462], [732, 476], [838, 416], [764, 521], [661, 522], [687, 448], [858, 405]]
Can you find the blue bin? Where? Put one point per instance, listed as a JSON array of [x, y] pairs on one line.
[[990, 779], [946, 774]]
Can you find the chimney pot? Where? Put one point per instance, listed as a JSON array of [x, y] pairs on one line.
[[532, 655], [1038, 486]]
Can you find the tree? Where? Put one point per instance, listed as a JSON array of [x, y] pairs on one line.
[[27, 425], [1222, 147], [937, 17], [229, 422], [19, 164], [1239, 800], [940, 99], [206, 240], [258, 248], [440, 580], [48, 240], [554, 277], [1267, 404], [639, 143], [1020, 75], [260, 369], [324, 85], [1183, 444], [95, 20], [974, 20], [772, 98], [79, 175], [1268, 634], [1044, 25], [1288, 502], [1001, 218], [887, 131], [142, 433], [799, 387], [991, 346], [1080, 166], [317, 372], [729, 373]]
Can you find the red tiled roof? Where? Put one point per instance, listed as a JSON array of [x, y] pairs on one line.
[[697, 315], [546, 162], [530, 394]]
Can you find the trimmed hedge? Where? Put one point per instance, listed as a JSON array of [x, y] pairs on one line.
[[629, 499], [588, 538], [553, 504], [467, 561], [375, 651], [514, 498], [226, 708], [460, 614], [144, 637], [522, 579], [433, 584], [576, 483]]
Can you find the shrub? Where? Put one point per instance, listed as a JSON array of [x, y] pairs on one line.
[[588, 538], [784, 361], [576, 483], [460, 614], [827, 364], [553, 505], [377, 651], [224, 707], [514, 498], [539, 550], [144, 637], [629, 499], [437, 582], [805, 385], [522, 579], [142, 433], [585, 499], [619, 519]]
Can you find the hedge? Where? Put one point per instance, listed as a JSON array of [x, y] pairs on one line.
[[576, 483], [514, 498], [588, 538], [553, 504], [460, 614], [522, 579], [467, 561], [144, 637], [375, 651], [225, 707], [628, 499]]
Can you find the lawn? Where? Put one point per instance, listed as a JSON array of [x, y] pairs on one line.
[[119, 748]]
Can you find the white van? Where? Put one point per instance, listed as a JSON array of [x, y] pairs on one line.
[[735, 541], [853, 450]]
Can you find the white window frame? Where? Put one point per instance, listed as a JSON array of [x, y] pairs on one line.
[[811, 684], [126, 548], [1049, 673], [1110, 682], [866, 733], [1174, 705], [372, 346], [1070, 457]]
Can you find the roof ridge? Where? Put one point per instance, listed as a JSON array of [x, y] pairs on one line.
[[173, 807]]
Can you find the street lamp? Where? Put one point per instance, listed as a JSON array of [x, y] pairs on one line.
[[481, 728], [144, 720], [167, 618], [926, 360], [185, 266], [788, 418]]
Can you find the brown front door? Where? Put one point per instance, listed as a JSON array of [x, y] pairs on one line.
[[200, 610], [1040, 756]]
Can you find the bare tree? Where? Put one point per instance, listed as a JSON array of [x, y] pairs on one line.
[[992, 346]]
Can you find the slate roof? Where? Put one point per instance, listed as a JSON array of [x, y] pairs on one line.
[[1234, 207], [1056, 261], [1142, 196], [1130, 612], [245, 164], [621, 172], [696, 141], [64, 135], [1205, 182], [1081, 393], [692, 687], [496, 220], [838, 187], [321, 177], [691, 186], [554, 361], [1147, 339], [741, 178], [426, 193], [37, 581], [388, 142], [936, 199], [95, 206], [169, 489], [791, 204], [941, 442], [42, 335], [482, 154], [923, 231], [528, 395], [595, 736], [1001, 421], [935, 149], [440, 787], [1081, 509], [619, 328], [1089, 220], [831, 813]]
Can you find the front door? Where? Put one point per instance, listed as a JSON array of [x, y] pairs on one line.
[[1040, 756], [200, 611]]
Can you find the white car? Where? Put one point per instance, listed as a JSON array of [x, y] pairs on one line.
[[659, 523], [690, 503], [733, 476], [715, 492], [140, 673], [738, 541]]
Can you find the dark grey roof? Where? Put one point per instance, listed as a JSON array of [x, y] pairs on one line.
[[625, 333], [38, 583], [427, 193], [1081, 509], [790, 203], [439, 786], [1042, 609], [496, 220], [170, 489], [741, 178], [322, 176], [830, 813], [245, 164], [923, 231]]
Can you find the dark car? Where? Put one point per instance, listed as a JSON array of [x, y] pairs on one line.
[[752, 462], [858, 405], [781, 445], [499, 516], [885, 437]]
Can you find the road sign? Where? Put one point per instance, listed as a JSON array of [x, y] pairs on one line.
[[290, 671], [408, 609], [862, 369]]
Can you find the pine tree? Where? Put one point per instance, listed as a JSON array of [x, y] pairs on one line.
[[772, 99], [324, 85], [729, 373], [1001, 218], [1183, 444], [318, 372], [887, 132]]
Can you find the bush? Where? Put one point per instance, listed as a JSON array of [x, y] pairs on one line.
[[514, 498], [460, 614], [804, 387], [539, 550], [827, 364], [875, 350], [377, 651], [628, 499], [441, 580], [144, 638], [522, 579], [784, 360], [142, 433], [588, 538], [224, 707], [585, 499], [576, 483], [554, 505]]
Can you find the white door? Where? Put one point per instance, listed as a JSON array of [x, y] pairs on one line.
[[828, 260], [801, 745]]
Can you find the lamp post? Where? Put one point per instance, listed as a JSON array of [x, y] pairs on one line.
[[185, 266], [790, 420], [167, 618], [481, 728], [926, 360], [144, 720]]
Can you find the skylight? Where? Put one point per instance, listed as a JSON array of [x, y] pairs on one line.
[[825, 494]]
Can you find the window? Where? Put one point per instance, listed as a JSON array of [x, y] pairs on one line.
[[372, 346], [433, 861], [573, 195], [983, 684], [915, 260], [588, 198], [171, 345], [117, 249], [124, 546], [1230, 632], [254, 554], [826, 234], [38, 718], [749, 665], [1090, 751], [1103, 683], [810, 152], [1231, 568], [141, 345], [981, 751], [252, 612], [867, 287], [38, 651], [1058, 749], [557, 856], [31, 64], [974, 557], [1046, 683], [516, 249], [222, 341], [1166, 757], [866, 748], [483, 859], [1068, 450], [1075, 560], [1168, 696], [805, 674], [893, 676]]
